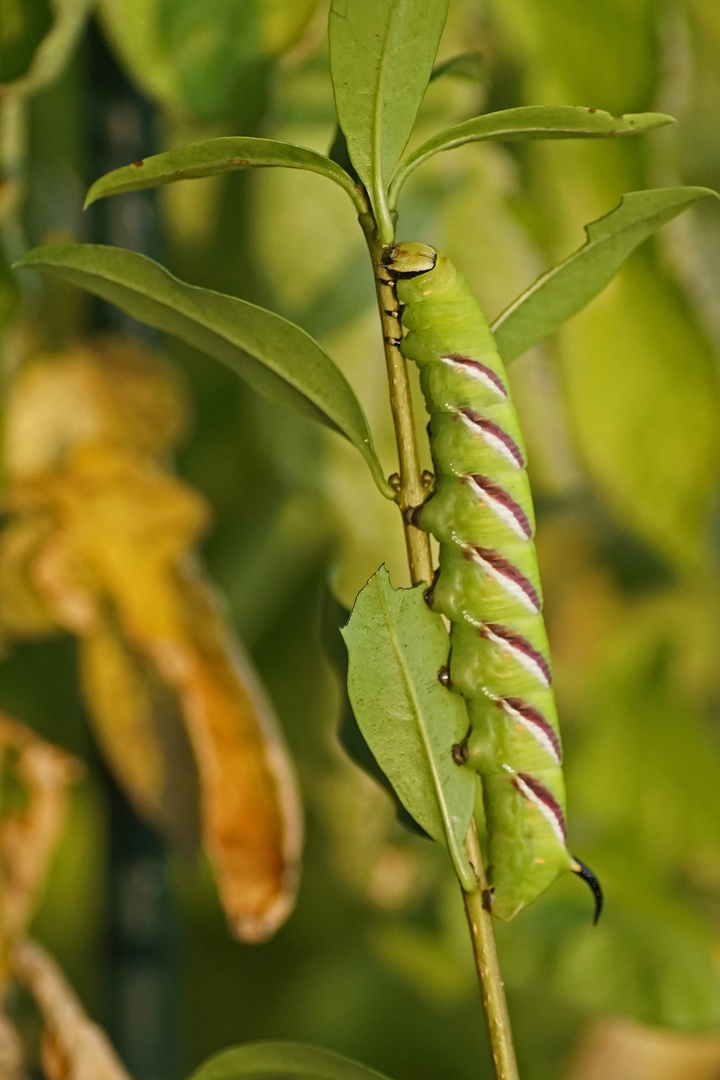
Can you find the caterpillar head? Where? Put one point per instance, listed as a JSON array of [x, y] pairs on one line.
[[408, 260]]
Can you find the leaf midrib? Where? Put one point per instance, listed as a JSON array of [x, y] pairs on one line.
[[457, 855], [378, 181]]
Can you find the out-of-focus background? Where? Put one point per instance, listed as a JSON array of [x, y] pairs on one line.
[[622, 417]]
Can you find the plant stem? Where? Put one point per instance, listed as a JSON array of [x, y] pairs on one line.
[[411, 491], [487, 964]]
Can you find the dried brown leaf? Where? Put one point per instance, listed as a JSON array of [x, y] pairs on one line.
[[74, 1048]]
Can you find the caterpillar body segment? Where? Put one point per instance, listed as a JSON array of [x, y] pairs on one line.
[[488, 583]]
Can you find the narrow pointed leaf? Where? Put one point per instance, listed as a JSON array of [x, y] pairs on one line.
[[396, 647], [335, 616], [213, 156], [282, 1061], [529, 122], [381, 58], [568, 287], [276, 357]]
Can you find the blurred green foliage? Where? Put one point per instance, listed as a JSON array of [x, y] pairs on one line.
[[622, 417], [23, 27]]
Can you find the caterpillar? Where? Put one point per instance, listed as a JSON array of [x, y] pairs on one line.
[[487, 584]]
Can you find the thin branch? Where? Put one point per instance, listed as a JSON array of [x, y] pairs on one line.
[[487, 964], [410, 488], [411, 492]]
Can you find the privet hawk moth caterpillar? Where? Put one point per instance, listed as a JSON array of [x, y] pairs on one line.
[[487, 584]]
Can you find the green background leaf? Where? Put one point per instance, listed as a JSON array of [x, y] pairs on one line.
[[396, 647], [565, 289], [381, 57], [281, 1061], [274, 356], [203, 56], [36, 41]]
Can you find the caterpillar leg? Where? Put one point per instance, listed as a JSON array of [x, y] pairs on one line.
[[587, 875]]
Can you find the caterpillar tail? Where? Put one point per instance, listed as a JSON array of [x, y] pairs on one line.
[[488, 585]]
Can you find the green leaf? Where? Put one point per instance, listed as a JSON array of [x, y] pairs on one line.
[[567, 288], [214, 156], [396, 647], [529, 122], [274, 356], [334, 616], [53, 51], [282, 1061], [381, 58]]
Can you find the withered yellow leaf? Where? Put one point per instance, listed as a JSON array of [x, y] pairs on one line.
[[24, 612], [252, 820], [11, 1052], [131, 526], [120, 523], [114, 566], [73, 1047], [29, 833], [108, 389], [138, 722]]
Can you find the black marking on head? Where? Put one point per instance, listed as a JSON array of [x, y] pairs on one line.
[[404, 252], [587, 875]]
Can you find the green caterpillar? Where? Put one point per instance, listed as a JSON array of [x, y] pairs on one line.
[[488, 583]]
